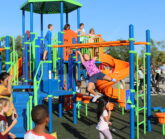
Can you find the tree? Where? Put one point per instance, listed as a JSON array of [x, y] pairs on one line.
[[119, 52], [157, 56], [18, 45]]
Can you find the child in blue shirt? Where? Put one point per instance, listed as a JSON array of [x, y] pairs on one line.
[[48, 38]]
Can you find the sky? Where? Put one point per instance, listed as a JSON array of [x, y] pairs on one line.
[[111, 18]]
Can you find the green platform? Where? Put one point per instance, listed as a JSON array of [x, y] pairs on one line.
[[51, 6]]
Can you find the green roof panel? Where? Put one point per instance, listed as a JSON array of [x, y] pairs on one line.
[[51, 6]]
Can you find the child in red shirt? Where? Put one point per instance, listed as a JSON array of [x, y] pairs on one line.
[[4, 128], [40, 117]]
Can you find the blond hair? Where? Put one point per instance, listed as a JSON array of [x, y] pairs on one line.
[[3, 103]]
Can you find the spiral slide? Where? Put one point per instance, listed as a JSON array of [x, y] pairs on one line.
[[120, 71]]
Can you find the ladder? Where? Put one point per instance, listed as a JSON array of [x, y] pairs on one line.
[[140, 108]]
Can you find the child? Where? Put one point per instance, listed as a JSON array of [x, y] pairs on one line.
[[92, 35], [67, 27], [48, 38], [6, 92], [40, 117], [81, 30], [4, 128], [141, 78], [78, 87], [94, 74], [103, 116]]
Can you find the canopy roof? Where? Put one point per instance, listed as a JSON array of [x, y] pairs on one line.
[[51, 6]]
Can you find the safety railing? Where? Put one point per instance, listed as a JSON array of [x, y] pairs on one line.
[[55, 54], [28, 114], [37, 80], [92, 52], [13, 70]]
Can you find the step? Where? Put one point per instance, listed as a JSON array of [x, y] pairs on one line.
[[156, 108], [23, 87], [62, 93], [140, 109], [141, 95], [142, 122], [19, 97], [162, 110]]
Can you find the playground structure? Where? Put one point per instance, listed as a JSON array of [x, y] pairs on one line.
[[58, 74]]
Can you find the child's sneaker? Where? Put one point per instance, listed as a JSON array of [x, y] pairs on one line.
[[113, 80], [92, 95], [95, 98]]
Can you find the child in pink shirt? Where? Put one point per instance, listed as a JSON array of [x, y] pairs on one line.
[[94, 74], [103, 116]]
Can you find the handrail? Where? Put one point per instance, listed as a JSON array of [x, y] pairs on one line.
[[13, 63], [55, 54], [100, 44], [32, 46], [37, 82], [13, 70]]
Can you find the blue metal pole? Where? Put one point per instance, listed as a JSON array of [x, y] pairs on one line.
[[62, 49], [149, 114], [78, 26], [61, 15], [131, 59], [42, 26], [61, 61], [49, 52], [23, 22], [74, 84], [50, 114], [7, 53], [26, 60], [37, 49], [78, 20], [31, 39], [31, 17], [60, 107], [23, 45], [67, 18]]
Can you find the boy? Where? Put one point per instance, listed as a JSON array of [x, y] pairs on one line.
[[81, 32], [48, 38], [40, 117]]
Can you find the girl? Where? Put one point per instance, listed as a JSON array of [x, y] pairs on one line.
[[67, 27], [103, 116], [4, 128], [6, 92], [92, 35], [94, 74]]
